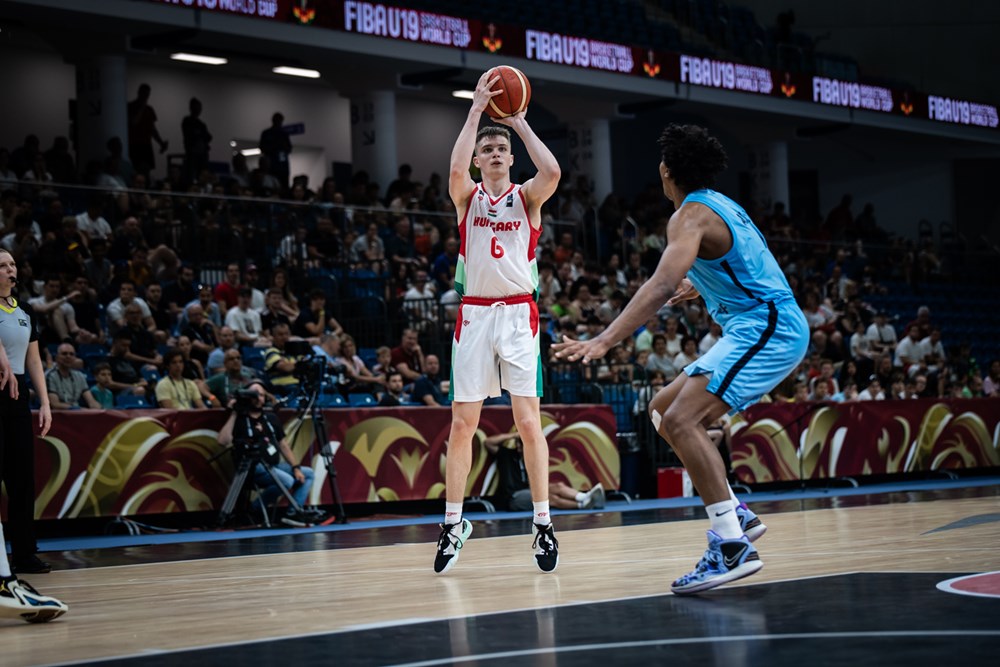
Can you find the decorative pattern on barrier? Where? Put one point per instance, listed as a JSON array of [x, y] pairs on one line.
[[807, 441], [107, 463]]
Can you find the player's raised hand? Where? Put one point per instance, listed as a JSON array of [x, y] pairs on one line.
[[685, 292], [581, 350], [481, 96]]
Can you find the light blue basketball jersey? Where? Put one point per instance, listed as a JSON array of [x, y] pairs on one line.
[[746, 276]]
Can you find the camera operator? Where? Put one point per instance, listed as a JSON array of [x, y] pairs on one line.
[[253, 429]]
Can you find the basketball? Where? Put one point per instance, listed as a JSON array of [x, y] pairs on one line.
[[516, 92]]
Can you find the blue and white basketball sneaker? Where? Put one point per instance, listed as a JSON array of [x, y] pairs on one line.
[[750, 524], [724, 561]]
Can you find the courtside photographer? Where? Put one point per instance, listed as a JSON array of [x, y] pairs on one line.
[[257, 433]]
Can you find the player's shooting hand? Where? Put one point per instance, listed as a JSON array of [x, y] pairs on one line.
[[580, 350], [481, 96], [684, 292], [510, 121]]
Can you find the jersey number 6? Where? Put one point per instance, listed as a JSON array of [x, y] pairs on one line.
[[496, 249]]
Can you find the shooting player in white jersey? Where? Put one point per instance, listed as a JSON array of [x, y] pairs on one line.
[[496, 334]]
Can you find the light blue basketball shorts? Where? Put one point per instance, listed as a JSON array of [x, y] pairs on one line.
[[758, 349]]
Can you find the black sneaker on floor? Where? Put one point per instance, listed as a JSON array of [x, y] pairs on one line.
[[450, 543], [31, 565], [546, 548]]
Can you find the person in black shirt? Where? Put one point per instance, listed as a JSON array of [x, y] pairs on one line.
[[393, 395], [181, 292], [427, 388], [266, 431]]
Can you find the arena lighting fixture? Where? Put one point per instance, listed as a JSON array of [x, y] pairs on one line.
[[250, 152], [196, 58], [463, 94], [296, 71]]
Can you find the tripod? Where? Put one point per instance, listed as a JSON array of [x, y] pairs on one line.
[[239, 490], [324, 446]]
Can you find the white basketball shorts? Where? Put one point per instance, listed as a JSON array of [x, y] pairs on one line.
[[496, 346]]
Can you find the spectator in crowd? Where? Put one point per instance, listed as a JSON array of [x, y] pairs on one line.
[[688, 353], [273, 312], [873, 392], [991, 383], [408, 357], [209, 308], [162, 318], [233, 377], [644, 339], [825, 377], [66, 386], [427, 388], [181, 291], [244, 320], [101, 390], [250, 279], [226, 338], [420, 303], [289, 302], [314, 320], [174, 391], [355, 365], [200, 331], [57, 319], [393, 395], [922, 322], [910, 353], [275, 146], [126, 297], [142, 131], [91, 224], [933, 351], [881, 335], [383, 363], [227, 292], [369, 249], [660, 358], [446, 263], [278, 364], [197, 140], [849, 393], [820, 392], [125, 375], [97, 267], [143, 348]]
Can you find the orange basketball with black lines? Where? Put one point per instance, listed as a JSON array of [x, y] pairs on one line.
[[516, 92]]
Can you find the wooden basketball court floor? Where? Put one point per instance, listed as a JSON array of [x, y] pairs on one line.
[[847, 581]]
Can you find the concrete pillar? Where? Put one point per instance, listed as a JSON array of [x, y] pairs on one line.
[[778, 158], [101, 106], [590, 156], [373, 137]]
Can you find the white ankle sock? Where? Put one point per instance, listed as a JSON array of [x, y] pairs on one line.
[[452, 512], [542, 516], [736, 501], [724, 521], [580, 496]]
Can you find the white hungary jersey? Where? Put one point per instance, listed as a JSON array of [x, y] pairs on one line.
[[496, 257]]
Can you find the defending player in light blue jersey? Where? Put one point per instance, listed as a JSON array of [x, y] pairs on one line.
[[713, 249]]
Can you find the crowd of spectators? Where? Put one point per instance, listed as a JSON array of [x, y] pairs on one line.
[[118, 279]]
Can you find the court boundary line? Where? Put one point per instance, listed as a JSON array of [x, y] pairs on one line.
[[414, 621]]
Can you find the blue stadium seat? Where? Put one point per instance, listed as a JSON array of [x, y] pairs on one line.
[[132, 401], [330, 401], [361, 400]]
